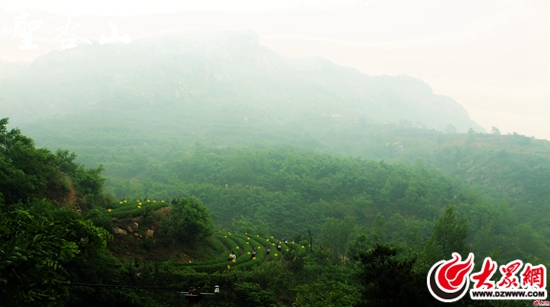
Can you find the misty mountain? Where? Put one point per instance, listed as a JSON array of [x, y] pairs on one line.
[[218, 78], [9, 69]]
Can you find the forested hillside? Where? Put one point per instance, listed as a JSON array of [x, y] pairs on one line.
[[509, 168], [335, 227]]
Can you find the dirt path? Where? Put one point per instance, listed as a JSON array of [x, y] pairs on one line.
[[71, 196]]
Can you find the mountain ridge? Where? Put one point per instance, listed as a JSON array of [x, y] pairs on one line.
[[219, 71]]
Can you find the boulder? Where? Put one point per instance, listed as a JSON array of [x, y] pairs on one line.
[[149, 233], [120, 231]]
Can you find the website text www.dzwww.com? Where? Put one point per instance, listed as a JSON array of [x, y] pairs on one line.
[[516, 294]]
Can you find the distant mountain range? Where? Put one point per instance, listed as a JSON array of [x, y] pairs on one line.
[[218, 77]]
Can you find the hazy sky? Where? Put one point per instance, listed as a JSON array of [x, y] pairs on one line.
[[490, 56]]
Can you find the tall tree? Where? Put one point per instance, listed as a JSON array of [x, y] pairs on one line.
[[448, 236]]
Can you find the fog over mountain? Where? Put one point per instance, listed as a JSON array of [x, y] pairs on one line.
[[220, 76], [287, 153]]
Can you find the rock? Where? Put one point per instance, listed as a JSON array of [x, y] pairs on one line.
[[130, 229], [149, 233], [119, 231], [136, 234], [135, 225]]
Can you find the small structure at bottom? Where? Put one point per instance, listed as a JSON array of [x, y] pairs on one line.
[[194, 296]]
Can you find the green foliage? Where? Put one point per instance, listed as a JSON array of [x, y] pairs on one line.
[[99, 218], [252, 295], [390, 275], [327, 292], [131, 208], [449, 236], [192, 220], [347, 203], [322, 185], [87, 181], [25, 172], [378, 229], [244, 225], [39, 240], [31, 269], [336, 233], [360, 243], [66, 161], [34, 251], [289, 190], [389, 279], [413, 238], [485, 241]]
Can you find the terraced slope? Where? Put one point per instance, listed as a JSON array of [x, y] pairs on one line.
[[242, 244]]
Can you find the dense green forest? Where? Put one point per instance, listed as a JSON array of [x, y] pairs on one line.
[[358, 232], [143, 157]]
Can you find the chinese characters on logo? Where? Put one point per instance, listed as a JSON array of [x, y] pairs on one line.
[[24, 28], [67, 39], [515, 284], [532, 277], [114, 36], [481, 279]]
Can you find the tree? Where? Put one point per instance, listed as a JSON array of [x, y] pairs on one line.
[[448, 236], [360, 243], [192, 220], [245, 225], [396, 224], [251, 294], [66, 161], [495, 130], [412, 237], [335, 233], [35, 250], [24, 170], [378, 230], [39, 240], [383, 273]]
